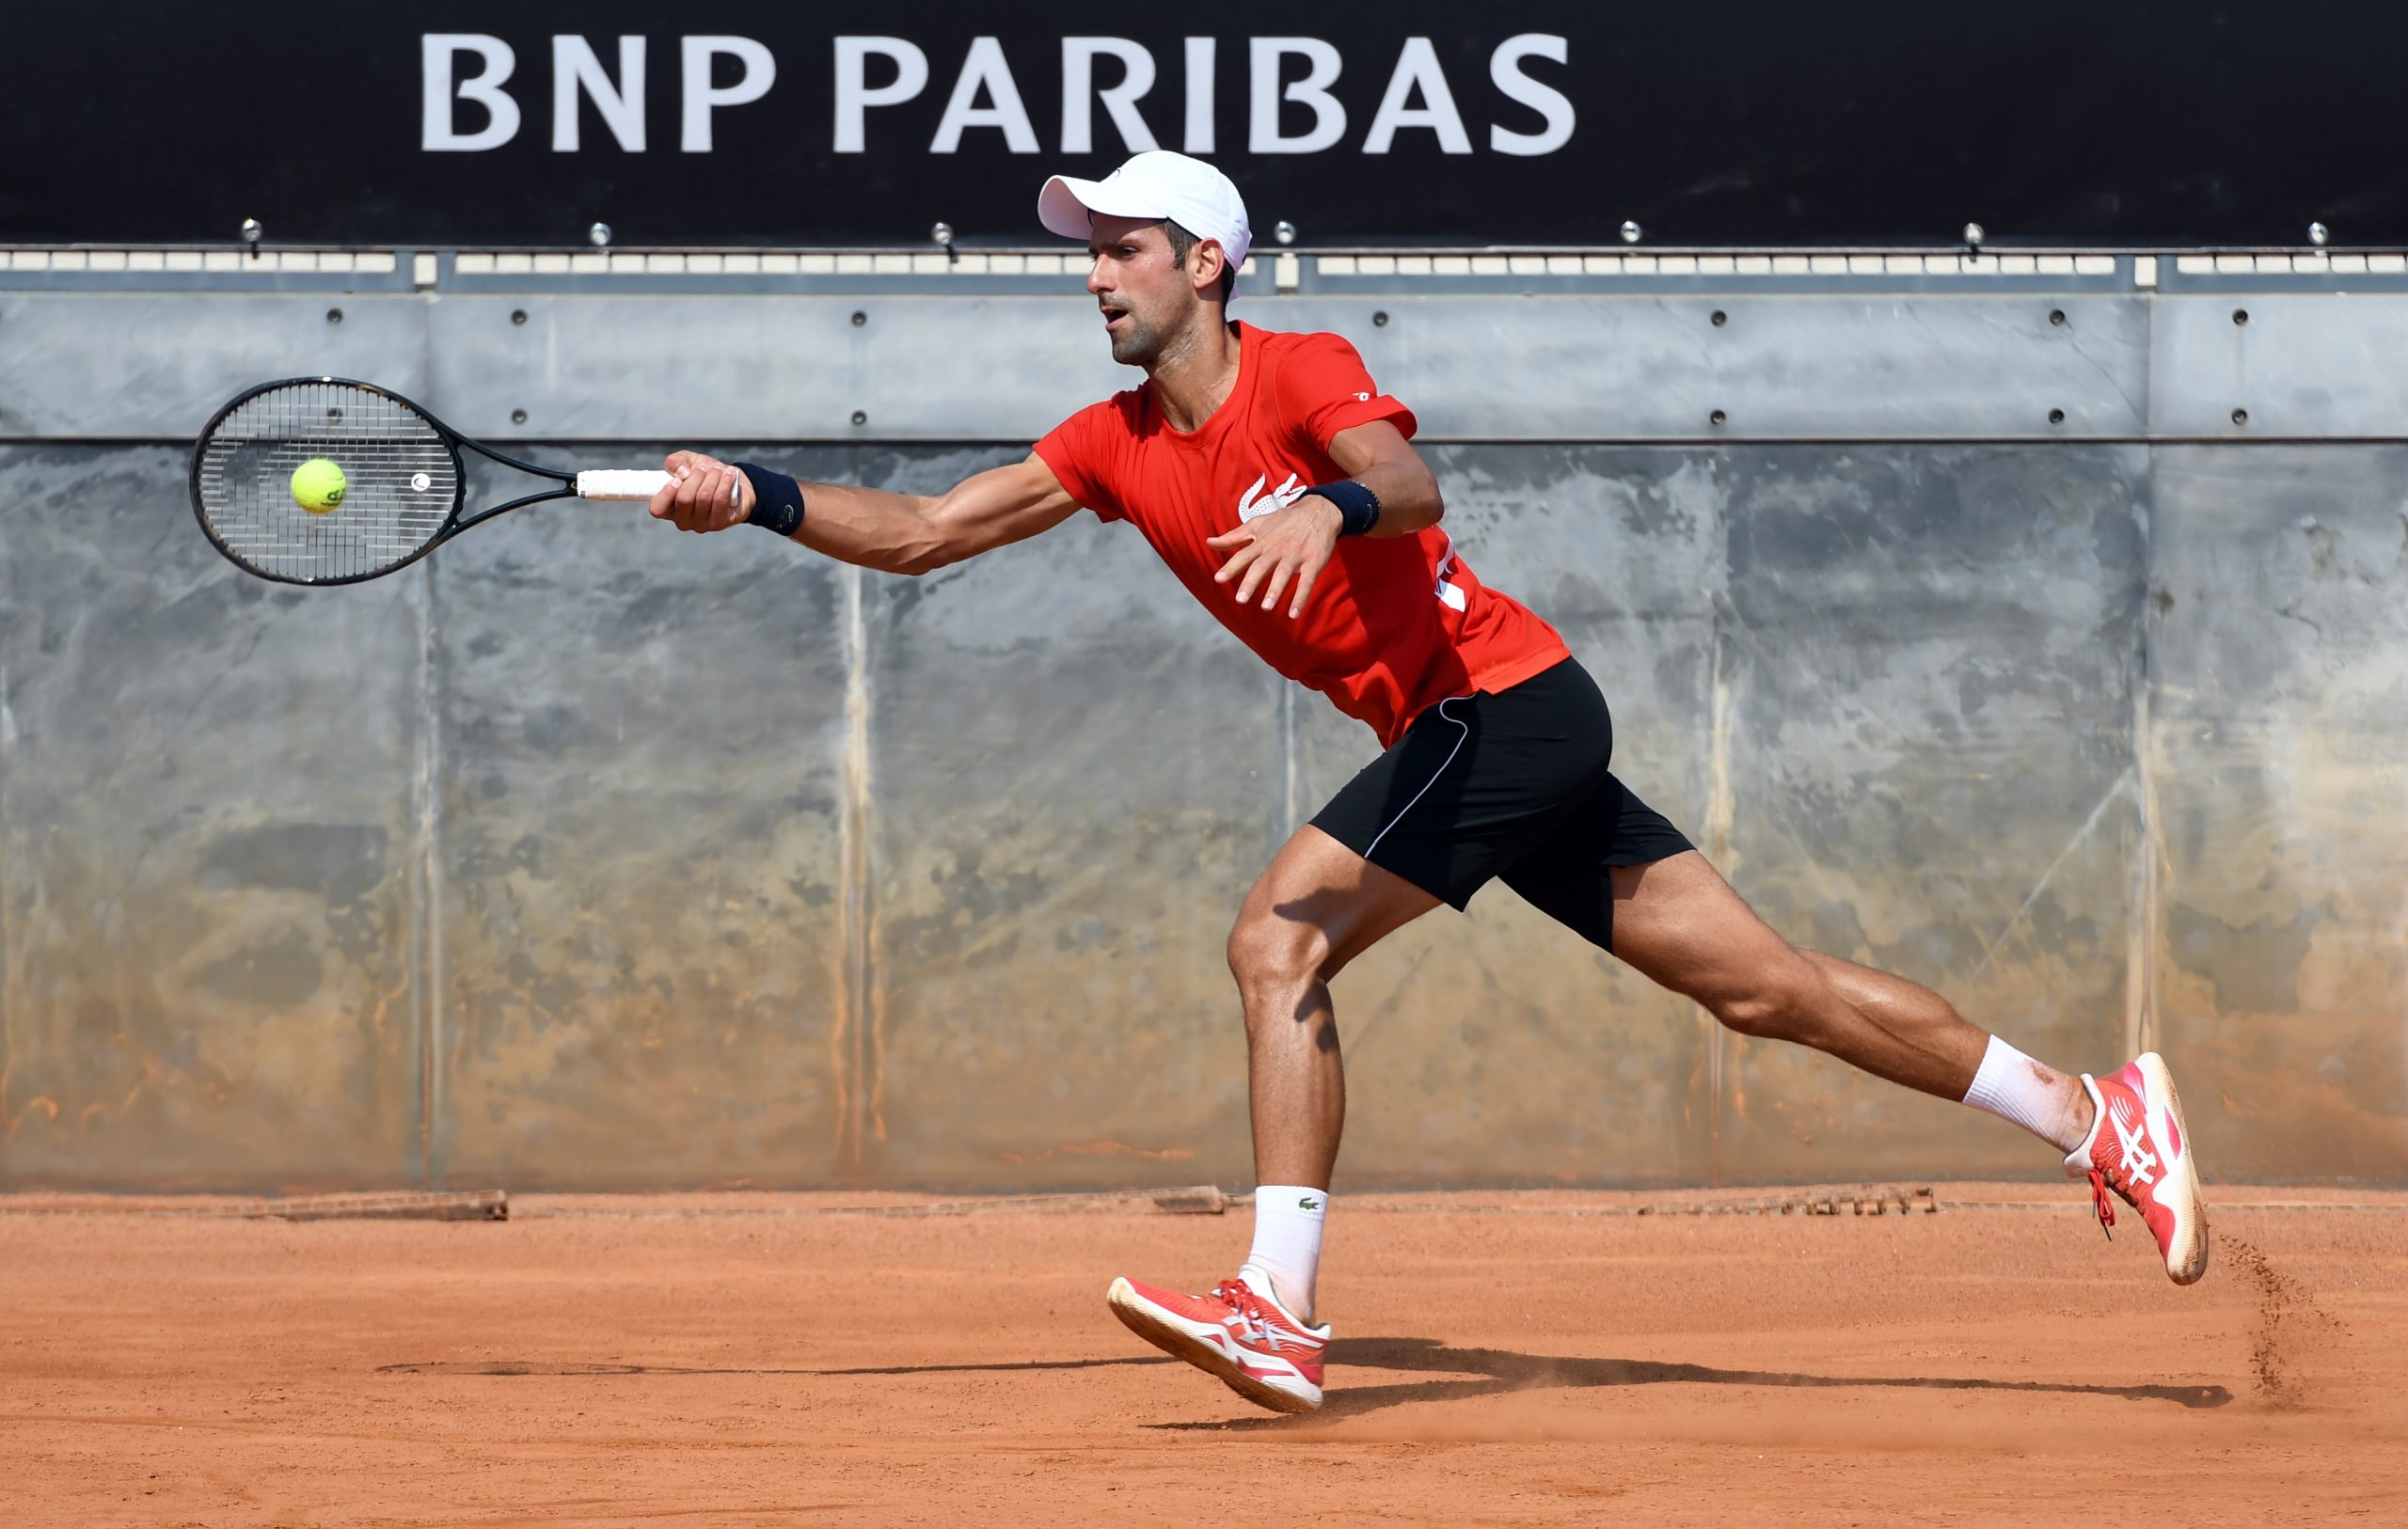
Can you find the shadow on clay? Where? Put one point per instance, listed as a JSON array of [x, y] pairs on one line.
[[539, 1366], [1474, 1372], [1489, 1372]]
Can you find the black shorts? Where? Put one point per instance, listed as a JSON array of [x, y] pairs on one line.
[[1512, 785]]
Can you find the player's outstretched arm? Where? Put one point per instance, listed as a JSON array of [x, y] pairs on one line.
[[896, 533]]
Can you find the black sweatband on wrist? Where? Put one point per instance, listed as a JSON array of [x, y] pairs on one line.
[[1358, 508], [777, 499]]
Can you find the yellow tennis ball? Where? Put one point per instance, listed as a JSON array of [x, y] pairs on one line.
[[318, 486]]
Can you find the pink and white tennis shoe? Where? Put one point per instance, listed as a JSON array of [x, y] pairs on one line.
[[2139, 1148], [1240, 1334]]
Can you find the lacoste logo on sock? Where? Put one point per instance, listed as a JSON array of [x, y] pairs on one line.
[[1308, 1203]]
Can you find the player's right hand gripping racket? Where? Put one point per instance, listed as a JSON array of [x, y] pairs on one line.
[[400, 492]]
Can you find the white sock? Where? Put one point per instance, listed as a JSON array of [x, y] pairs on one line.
[[2042, 1100], [1287, 1244]]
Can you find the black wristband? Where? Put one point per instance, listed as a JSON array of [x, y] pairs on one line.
[[1358, 508], [777, 499]]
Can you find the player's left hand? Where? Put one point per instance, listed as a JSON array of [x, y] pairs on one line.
[[1294, 543]]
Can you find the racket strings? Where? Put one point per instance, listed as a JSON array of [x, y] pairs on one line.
[[402, 481]]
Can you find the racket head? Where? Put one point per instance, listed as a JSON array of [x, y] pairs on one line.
[[403, 482]]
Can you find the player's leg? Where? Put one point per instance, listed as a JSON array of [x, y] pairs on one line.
[[2052, 1105], [1625, 880], [1673, 918], [1317, 906], [1622, 877], [1468, 789], [1466, 792], [1679, 923]]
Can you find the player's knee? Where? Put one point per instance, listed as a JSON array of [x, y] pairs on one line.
[[1266, 951], [1777, 1006], [1754, 1012]]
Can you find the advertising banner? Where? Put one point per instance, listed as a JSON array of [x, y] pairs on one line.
[[1519, 123]]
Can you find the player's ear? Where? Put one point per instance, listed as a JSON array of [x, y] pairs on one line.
[[1205, 263]]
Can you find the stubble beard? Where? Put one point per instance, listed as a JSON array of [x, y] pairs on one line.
[[1150, 344], [1139, 345]]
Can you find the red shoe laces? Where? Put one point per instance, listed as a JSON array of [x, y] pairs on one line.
[[1240, 1298], [2102, 1203]]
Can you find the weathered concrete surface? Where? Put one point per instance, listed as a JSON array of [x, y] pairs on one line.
[[907, 360], [2292, 365], [81, 365], [641, 750], [700, 862], [1928, 368], [1933, 659], [810, 365], [208, 833], [2279, 764], [1073, 773]]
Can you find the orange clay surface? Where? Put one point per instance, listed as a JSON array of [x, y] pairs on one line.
[[1499, 1359]]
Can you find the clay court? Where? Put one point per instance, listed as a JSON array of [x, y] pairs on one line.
[[1206, 467], [1500, 1358]]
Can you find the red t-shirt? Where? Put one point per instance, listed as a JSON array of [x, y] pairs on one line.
[[1395, 624]]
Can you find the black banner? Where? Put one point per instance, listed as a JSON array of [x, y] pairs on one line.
[[1514, 123]]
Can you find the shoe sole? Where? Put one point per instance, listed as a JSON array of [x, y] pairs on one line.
[[1141, 1318], [2186, 1255]]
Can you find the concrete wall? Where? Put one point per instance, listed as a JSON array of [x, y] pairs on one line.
[[589, 855]]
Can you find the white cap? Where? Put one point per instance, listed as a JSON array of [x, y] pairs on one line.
[[1157, 183]]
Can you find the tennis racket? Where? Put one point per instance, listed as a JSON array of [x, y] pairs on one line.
[[404, 489]]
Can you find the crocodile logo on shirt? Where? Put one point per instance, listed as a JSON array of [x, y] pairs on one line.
[[1256, 503]]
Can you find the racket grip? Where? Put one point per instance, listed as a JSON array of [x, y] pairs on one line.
[[621, 485]]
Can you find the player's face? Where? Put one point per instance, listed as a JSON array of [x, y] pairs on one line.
[[1142, 289]]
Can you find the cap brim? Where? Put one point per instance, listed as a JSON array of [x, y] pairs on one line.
[[1066, 202]]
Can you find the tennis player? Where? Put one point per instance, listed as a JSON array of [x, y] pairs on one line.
[[1281, 486]]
